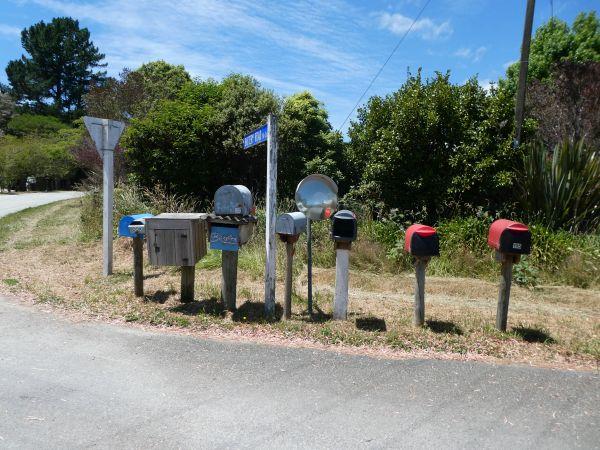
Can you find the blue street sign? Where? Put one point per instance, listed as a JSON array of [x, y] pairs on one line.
[[256, 137]]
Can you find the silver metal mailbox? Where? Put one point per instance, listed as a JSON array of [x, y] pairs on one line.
[[291, 224], [233, 200], [176, 239]]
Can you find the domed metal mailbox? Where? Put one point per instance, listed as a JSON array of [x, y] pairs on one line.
[[289, 227], [421, 240], [233, 200], [316, 197], [510, 237], [290, 224], [510, 240], [133, 226], [343, 226]]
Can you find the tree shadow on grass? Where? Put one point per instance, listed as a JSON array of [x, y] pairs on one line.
[[533, 335], [441, 326], [371, 324], [251, 311], [160, 296], [211, 306]]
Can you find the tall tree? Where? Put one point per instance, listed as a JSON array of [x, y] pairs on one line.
[[7, 107], [554, 42], [60, 66]]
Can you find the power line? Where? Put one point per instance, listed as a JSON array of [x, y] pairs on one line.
[[384, 64]]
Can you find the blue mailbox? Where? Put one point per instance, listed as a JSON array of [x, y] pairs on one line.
[[223, 237], [126, 221]]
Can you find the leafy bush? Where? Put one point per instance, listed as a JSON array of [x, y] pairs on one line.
[[31, 124]]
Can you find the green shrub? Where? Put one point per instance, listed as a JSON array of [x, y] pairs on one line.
[[33, 124]]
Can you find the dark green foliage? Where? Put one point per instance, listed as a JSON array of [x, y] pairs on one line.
[[435, 149], [60, 66], [561, 189], [7, 108], [30, 124]]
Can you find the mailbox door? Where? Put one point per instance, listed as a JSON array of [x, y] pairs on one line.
[[224, 238], [424, 245], [516, 242], [170, 248]]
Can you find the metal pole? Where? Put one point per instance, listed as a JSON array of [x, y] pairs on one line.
[[107, 215], [309, 264], [270, 242], [523, 66]]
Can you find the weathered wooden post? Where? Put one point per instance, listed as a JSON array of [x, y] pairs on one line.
[[289, 226], [229, 266], [105, 134], [188, 275], [422, 242], [138, 266], [343, 233], [231, 226], [134, 227], [510, 240]]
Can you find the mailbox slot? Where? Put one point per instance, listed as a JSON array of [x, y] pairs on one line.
[[510, 237], [343, 227], [421, 240], [290, 224]]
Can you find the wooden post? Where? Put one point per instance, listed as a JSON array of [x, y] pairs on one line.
[[270, 242], [287, 303], [107, 202], [523, 66], [342, 272], [504, 291], [419, 313], [187, 283], [138, 266], [229, 263]]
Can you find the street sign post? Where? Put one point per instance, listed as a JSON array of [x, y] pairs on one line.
[[268, 133], [106, 133]]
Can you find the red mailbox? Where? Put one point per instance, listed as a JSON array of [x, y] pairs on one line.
[[422, 240], [510, 237]]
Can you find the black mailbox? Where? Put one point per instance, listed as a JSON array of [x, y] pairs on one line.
[[343, 227]]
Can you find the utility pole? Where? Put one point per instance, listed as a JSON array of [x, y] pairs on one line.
[[523, 66]]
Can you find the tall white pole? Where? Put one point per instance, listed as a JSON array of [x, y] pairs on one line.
[[342, 266], [270, 242], [107, 194]]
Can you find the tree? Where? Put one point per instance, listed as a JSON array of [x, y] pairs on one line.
[[135, 92], [568, 105], [554, 42], [7, 108], [307, 143], [433, 149], [60, 66]]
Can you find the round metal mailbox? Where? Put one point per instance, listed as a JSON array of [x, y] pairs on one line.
[[233, 200], [316, 197]]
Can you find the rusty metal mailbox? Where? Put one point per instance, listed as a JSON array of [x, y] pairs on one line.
[[176, 239]]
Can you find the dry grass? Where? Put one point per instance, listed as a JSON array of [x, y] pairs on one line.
[[550, 325]]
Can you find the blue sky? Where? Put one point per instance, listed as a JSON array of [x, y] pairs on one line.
[[330, 47]]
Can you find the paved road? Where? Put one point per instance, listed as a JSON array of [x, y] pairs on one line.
[[11, 203], [77, 385]]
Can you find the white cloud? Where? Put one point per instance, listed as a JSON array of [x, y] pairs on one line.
[[425, 27], [7, 30], [507, 64], [474, 55]]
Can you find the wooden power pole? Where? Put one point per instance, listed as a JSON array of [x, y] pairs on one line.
[[523, 66]]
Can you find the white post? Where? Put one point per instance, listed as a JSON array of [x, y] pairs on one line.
[[270, 242], [340, 301], [107, 215]]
